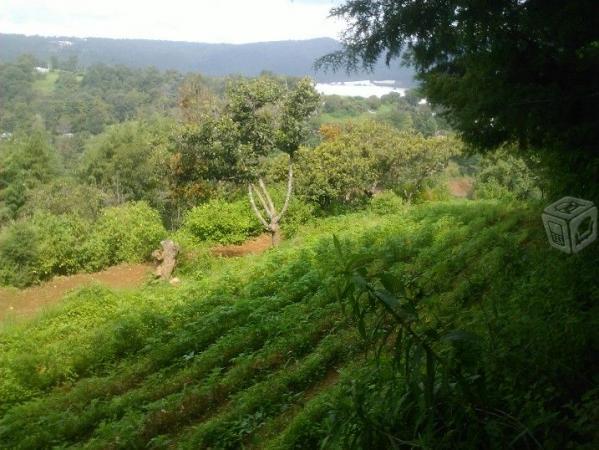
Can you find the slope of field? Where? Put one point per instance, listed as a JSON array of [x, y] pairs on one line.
[[256, 352], [20, 303], [46, 84]]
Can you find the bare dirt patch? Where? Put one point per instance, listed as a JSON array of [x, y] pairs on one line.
[[27, 302], [460, 187], [254, 246]]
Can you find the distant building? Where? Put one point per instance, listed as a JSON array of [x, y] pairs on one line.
[[5, 135], [42, 69]]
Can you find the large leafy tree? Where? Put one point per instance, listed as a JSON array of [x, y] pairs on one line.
[[27, 161], [507, 71], [259, 117], [360, 159], [128, 162]]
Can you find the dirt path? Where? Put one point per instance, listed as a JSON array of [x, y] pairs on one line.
[[460, 187], [257, 245], [26, 302]]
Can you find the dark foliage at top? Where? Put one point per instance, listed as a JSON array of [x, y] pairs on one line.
[[508, 71]]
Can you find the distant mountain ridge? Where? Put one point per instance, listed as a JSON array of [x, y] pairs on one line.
[[294, 58]]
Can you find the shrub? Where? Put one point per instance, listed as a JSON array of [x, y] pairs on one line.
[[19, 255], [195, 259], [369, 156], [60, 243], [386, 202], [436, 189], [221, 222], [299, 213], [505, 176], [65, 196], [39, 247], [125, 233]]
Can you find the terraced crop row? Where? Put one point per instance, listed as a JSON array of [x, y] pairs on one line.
[[261, 354]]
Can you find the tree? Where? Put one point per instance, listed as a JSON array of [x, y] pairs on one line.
[[259, 117], [502, 175], [16, 94], [366, 157], [26, 161], [289, 130], [65, 196], [127, 162], [507, 71], [197, 100]]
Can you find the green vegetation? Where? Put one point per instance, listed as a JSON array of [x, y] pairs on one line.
[[386, 314], [502, 175], [46, 84], [44, 245], [404, 113], [67, 186], [259, 351], [128, 162], [68, 102], [492, 93], [128, 232], [221, 222], [362, 159]]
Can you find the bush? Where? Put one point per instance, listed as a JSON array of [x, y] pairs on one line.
[[19, 255], [39, 247], [65, 196], [386, 202], [220, 222], [60, 243], [125, 233], [503, 176], [299, 213], [369, 156]]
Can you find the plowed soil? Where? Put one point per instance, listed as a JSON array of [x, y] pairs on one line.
[[253, 246], [460, 187], [19, 303], [26, 302]]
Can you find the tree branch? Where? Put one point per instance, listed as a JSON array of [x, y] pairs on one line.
[[262, 202], [273, 211], [288, 194], [256, 211]]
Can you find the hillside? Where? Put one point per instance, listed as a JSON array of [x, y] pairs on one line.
[[293, 58], [260, 351]]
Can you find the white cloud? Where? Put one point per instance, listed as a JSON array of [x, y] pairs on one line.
[[231, 21]]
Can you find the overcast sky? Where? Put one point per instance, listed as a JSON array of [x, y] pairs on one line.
[[231, 21]]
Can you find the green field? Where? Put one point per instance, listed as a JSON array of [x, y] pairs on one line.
[[46, 84], [260, 351]]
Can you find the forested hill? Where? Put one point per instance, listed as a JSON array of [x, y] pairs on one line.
[[294, 58]]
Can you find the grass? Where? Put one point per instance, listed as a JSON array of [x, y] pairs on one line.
[[46, 84], [257, 352]]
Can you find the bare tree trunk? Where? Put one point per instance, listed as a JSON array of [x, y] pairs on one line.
[[166, 258], [272, 224], [275, 235]]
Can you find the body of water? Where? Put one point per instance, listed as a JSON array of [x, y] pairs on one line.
[[362, 88]]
